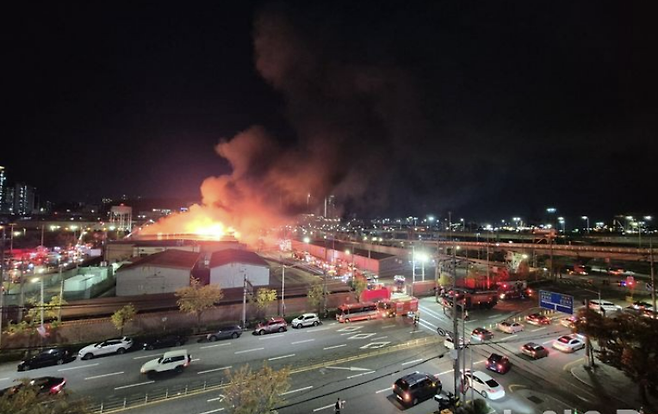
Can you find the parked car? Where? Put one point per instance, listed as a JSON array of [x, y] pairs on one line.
[[167, 341], [484, 384], [499, 363], [171, 361], [42, 385], [271, 325], [416, 387], [510, 327], [538, 319], [224, 332], [640, 305], [110, 346], [306, 319], [534, 351], [568, 343], [481, 334], [53, 356]]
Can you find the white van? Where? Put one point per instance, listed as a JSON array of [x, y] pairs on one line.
[[170, 361], [604, 305]]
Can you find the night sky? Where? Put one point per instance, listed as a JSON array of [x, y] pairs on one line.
[[487, 109]]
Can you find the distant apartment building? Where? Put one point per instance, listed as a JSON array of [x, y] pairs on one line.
[[3, 179], [24, 199]]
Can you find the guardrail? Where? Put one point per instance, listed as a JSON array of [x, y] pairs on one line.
[[113, 405]]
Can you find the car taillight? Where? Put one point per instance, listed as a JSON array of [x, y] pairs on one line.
[[57, 388], [407, 396], [500, 366]]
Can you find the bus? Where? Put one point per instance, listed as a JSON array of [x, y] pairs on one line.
[[351, 312]]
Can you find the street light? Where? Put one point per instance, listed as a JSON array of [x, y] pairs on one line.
[[562, 223], [423, 258], [586, 218]]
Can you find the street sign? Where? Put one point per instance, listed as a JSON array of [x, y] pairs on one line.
[[556, 301]]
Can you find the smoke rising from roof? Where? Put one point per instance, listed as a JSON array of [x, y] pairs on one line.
[[348, 116]]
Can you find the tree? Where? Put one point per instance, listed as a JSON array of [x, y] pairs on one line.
[[123, 316], [358, 285], [50, 309], [263, 298], [258, 392], [27, 401], [628, 343], [196, 298], [316, 295]]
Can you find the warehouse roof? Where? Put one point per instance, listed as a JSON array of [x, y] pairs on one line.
[[179, 259], [227, 256]]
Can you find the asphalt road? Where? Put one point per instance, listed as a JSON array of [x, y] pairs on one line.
[[365, 383]]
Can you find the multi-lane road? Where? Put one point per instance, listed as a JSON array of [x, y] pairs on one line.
[[355, 362]]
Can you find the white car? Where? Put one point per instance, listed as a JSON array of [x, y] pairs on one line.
[[449, 342], [484, 384], [510, 327], [110, 346], [568, 343], [306, 319], [170, 361]]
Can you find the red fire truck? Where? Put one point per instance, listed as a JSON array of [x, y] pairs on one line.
[[403, 305]]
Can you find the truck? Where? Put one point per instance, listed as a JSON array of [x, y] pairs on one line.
[[470, 298], [398, 305]]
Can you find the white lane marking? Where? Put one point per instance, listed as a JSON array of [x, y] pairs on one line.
[[427, 311], [215, 346], [480, 361], [297, 390], [317, 329], [301, 342], [5, 379], [212, 411], [415, 332], [547, 342], [383, 390], [335, 346], [196, 359], [379, 337], [104, 375], [317, 409], [249, 350], [362, 335], [281, 357], [538, 329], [350, 328], [494, 316], [445, 372], [428, 325], [412, 362], [350, 368], [148, 356], [280, 335], [220, 398], [360, 375], [215, 369], [133, 385], [68, 369], [508, 337], [375, 345], [388, 326]]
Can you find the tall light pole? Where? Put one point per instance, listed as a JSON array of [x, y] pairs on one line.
[[413, 266], [586, 218], [41, 305], [2, 281], [563, 224]]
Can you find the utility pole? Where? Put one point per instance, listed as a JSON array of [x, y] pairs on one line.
[[61, 294], [455, 321], [244, 300], [2, 283], [653, 279]]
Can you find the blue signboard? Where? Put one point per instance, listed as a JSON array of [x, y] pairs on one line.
[[556, 301]]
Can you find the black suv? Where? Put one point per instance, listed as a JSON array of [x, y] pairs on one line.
[[498, 363], [164, 342], [53, 356], [416, 387]]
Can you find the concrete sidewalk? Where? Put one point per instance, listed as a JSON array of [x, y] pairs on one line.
[[611, 385]]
